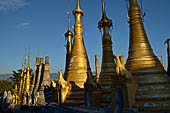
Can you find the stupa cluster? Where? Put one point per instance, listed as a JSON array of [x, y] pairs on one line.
[[31, 92], [140, 82]]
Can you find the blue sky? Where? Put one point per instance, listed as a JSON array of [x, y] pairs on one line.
[[42, 23]]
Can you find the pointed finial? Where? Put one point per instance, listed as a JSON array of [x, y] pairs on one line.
[[103, 9], [25, 59], [78, 10], [78, 4], [25, 64], [133, 2], [22, 71], [28, 59], [38, 58], [69, 22], [38, 52], [69, 33], [104, 21], [68, 13], [28, 68]]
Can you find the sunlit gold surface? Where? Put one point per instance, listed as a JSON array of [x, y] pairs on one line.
[[79, 63], [69, 36], [64, 87], [27, 82], [140, 52], [145, 66], [21, 82], [24, 77]]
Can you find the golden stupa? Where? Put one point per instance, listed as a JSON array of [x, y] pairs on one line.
[[154, 84], [79, 63]]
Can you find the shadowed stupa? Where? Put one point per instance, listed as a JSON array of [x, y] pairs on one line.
[[108, 64]]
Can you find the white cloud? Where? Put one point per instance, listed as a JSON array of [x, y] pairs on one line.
[[24, 25], [12, 4]]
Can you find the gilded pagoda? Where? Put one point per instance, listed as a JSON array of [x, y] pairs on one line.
[[141, 82]]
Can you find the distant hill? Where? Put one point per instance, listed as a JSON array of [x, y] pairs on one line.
[[53, 76], [5, 76]]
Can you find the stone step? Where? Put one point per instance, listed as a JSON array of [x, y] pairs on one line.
[[107, 99], [152, 79], [153, 92], [76, 89], [74, 102], [75, 98], [77, 93], [106, 103], [106, 82], [158, 87], [153, 105], [147, 72], [153, 96]]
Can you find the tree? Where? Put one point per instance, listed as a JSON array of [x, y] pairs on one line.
[[17, 76], [5, 85], [12, 81]]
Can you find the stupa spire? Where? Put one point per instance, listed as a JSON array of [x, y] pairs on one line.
[[133, 2], [107, 57], [27, 82], [69, 22], [28, 67], [79, 64], [21, 81], [24, 74], [25, 62], [141, 55], [104, 21], [68, 36], [108, 65], [38, 53], [78, 9]]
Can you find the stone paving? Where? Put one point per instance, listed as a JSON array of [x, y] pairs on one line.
[[55, 108]]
